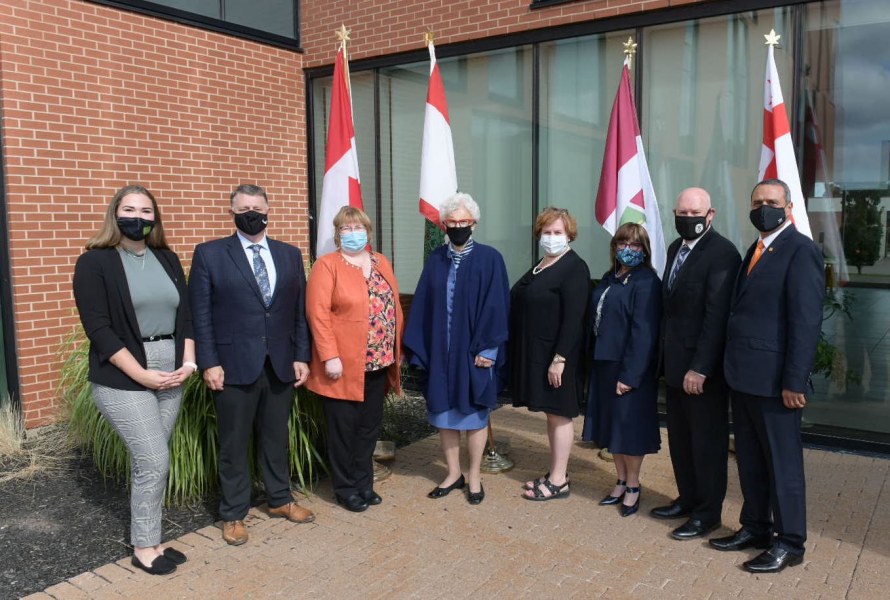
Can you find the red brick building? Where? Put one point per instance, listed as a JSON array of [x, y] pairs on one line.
[[193, 97]]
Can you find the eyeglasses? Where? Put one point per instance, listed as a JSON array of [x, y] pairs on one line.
[[631, 245], [464, 223], [351, 228]]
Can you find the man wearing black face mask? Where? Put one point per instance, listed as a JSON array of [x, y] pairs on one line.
[[698, 279], [253, 346], [774, 323]]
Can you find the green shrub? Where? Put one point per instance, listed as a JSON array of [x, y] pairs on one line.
[[194, 444]]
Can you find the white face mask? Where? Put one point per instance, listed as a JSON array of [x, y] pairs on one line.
[[554, 244]]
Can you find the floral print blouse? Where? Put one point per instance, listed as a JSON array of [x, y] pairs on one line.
[[382, 320]]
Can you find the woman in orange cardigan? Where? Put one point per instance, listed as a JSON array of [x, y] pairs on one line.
[[352, 304]]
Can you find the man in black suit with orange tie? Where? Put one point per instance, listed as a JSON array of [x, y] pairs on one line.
[[699, 276], [774, 323]]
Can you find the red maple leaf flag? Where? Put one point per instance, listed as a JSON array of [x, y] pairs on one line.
[[341, 185], [777, 155], [438, 175], [625, 193]]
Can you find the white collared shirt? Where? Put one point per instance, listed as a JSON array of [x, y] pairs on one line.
[[772, 237], [265, 254], [689, 244]]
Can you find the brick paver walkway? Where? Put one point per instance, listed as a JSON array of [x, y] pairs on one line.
[[411, 546]]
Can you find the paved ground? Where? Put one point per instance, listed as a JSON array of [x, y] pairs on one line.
[[411, 546]]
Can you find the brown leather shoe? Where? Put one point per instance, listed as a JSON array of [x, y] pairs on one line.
[[292, 512], [234, 532]]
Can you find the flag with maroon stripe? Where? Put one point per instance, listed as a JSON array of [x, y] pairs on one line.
[[438, 175], [777, 154], [341, 185]]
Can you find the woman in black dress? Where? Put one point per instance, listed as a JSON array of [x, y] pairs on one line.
[[546, 330], [625, 314]]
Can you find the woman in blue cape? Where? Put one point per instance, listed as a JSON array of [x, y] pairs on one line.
[[456, 331]]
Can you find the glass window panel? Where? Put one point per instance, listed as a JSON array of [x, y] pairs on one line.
[[208, 8], [274, 16], [703, 110], [845, 176], [579, 78]]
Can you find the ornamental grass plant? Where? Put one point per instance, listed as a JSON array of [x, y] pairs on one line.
[[194, 444]]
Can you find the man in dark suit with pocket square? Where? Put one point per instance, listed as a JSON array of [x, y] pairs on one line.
[[774, 324], [252, 343], [698, 280]]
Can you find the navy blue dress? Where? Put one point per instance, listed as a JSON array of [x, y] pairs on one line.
[[624, 348]]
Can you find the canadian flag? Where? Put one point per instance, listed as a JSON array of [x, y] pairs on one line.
[[625, 193], [341, 185], [777, 155], [438, 175]]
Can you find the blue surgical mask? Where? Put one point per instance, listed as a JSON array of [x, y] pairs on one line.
[[354, 241], [553, 244], [629, 257]]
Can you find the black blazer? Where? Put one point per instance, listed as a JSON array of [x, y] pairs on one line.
[[109, 319], [233, 329], [693, 324], [775, 318]]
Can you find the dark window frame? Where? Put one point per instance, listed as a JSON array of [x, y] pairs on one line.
[[10, 357], [169, 13]]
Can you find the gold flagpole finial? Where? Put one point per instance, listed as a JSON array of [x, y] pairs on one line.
[[428, 37], [343, 34], [630, 49], [772, 38]]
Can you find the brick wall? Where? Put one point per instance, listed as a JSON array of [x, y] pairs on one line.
[[389, 26], [94, 98]]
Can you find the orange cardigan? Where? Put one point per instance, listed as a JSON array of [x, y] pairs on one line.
[[337, 310]]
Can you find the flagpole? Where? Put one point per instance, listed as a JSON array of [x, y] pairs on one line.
[[343, 36]]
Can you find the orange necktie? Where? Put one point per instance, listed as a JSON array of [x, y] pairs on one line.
[[756, 256]]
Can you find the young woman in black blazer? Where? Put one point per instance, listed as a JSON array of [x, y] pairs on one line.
[[131, 294]]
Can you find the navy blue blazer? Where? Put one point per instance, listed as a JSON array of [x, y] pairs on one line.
[[628, 331], [233, 328], [775, 318]]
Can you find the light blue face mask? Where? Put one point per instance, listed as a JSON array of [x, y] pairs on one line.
[[629, 257], [354, 241]]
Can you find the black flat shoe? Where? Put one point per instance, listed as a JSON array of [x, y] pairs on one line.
[[693, 528], [174, 556], [371, 497], [741, 540], [355, 503], [626, 510], [772, 561], [674, 510], [441, 492], [159, 566], [476, 497], [610, 499]]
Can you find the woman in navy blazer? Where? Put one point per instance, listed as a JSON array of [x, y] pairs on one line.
[[625, 313]]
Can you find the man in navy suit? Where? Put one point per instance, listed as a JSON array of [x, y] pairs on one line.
[[697, 287], [252, 343], [774, 323]]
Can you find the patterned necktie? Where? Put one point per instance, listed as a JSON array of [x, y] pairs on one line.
[[261, 274], [681, 256], [756, 256]]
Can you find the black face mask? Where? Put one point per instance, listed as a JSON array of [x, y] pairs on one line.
[[251, 222], [690, 228], [459, 235], [766, 218], [135, 228]]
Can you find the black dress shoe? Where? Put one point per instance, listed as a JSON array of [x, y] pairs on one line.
[[159, 566], [626, 510], [174, 556], [371, 497], [476, 497], [693, 528], [740, 540], [772, 561], [610, 499], [441, 492], [355, 503], [674, 510]]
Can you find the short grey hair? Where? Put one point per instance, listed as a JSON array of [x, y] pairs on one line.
[[248, 190], [456, 201]]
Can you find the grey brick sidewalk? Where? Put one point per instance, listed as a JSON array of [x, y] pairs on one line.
[[414, 547]]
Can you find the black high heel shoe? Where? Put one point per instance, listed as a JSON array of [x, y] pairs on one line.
[[626, 510], [441, 492], [610, 499]]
